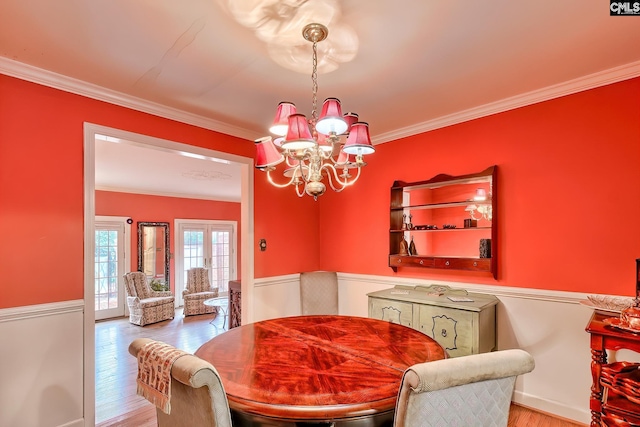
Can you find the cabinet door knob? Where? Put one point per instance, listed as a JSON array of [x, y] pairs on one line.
[[444, 333], [421, 262], [475, 263], [446, 263]]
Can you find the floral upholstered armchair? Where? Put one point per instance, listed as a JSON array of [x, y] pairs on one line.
[[198, 290], [146, 305]]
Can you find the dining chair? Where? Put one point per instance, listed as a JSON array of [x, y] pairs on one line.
[[318, 292], [198, 290], [197, 396], [146, 305], [465, 391]]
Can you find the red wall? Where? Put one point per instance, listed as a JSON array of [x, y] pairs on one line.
[[568, 193], [140, 207], [41, 192]]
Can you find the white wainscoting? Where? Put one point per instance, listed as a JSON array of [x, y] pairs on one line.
[[548, 324], [41, 365]]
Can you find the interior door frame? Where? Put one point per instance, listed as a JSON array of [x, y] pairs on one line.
[[246, 226]]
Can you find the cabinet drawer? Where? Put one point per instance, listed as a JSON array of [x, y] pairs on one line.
[[451, 328], [410, 261], [480, 264], [391, 311]]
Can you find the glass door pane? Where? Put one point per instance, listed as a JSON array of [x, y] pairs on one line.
[[109, 269]]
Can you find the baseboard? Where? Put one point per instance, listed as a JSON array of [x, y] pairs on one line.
[[74, 423], [554, 409]]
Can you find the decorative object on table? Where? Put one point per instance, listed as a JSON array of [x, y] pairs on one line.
[[311, 147], [412, 248], [470, 223], [448, 226], [485, 248], [410, 224], [608, 303], [404, 221], [404, 247], [158, 285]]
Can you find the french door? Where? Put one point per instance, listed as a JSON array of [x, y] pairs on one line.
[[112, 237], [208, 244]]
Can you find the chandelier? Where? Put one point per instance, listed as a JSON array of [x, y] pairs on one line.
[[316, 148], [482, 206]]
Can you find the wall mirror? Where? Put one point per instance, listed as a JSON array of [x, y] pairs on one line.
[[153, 253]]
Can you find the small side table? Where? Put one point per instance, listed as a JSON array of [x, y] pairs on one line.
[[221, 303]]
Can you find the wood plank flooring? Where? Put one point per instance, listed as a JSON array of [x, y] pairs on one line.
[[117, 404]]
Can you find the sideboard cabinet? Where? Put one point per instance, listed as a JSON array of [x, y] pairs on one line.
[[615, 391], [446, 222], [462, 323]]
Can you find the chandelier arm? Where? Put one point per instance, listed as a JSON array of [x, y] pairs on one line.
[[343, 183], [275, 184], [298, 192]]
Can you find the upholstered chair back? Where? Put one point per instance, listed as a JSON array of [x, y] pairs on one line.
[[136, 285], [464, 391], [318, 293], [197, 398], [198, 280]]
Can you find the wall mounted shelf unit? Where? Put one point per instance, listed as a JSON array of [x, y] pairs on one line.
[[432, 217]]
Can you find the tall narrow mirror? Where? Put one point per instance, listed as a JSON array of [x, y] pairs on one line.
[[153, 253]]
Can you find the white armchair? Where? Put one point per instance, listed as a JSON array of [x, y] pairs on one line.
[[465, 391]]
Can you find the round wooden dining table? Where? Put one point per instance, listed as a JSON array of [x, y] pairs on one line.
[[316, 370]]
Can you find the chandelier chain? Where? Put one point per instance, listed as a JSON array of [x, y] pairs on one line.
[[314, 80]]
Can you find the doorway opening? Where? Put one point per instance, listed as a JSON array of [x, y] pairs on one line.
[[91, 131]]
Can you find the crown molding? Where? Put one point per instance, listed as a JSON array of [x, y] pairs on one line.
[[68, 84], [58, 81], [591, 81]]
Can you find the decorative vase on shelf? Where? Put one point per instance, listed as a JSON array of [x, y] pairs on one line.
[[404, 247], [412, 248]]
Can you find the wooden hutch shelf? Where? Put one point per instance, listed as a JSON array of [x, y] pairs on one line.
[[433, 215]]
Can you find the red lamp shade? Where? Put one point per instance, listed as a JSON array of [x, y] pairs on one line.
[[358, 142], [331, 120], [266, 153], [298, 135], [281, 121], [350, 118]]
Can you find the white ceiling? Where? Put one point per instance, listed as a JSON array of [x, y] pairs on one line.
[[407, 66]]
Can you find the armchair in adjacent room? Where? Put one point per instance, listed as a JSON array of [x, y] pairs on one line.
[[464, 391], [318, 292], [198, 290], [146, 305], [195, 392]]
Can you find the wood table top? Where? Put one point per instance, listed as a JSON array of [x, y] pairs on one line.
[[316, 367]]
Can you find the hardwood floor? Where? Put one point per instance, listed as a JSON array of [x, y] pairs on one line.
[[116, 369], [118, 405]]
